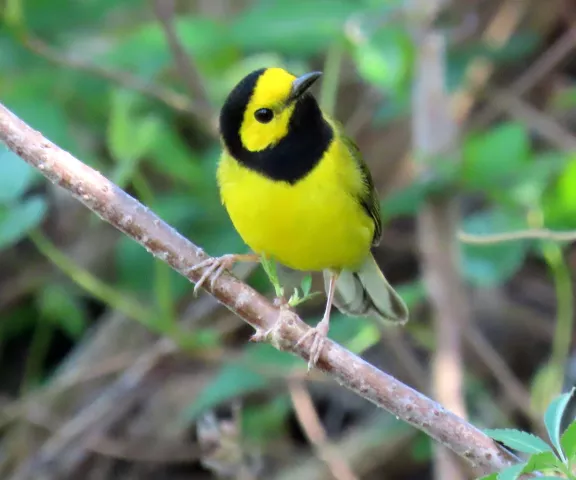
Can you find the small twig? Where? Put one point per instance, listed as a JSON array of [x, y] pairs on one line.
[[541, 123], [90, 283], [555, 54], [310, 423], [533, 74], [137, 221], [109, 366], [140, 449], [497, 33], [164, 10], [371, 447], [167, 96], [434, 134], [103, 411], [533, 234], [511, 386]]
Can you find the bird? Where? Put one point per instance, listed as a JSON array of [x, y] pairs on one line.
[[298, 191]]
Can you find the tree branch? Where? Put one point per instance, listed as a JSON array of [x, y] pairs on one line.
[[312, 427], [164, 11], [125, 213], [169, 97], [434, 134]]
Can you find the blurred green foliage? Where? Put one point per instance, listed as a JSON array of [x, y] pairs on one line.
[[138, 142], [18, 213]]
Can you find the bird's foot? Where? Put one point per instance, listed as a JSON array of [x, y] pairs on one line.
[[215, 266], [269, 334], [319, 334]]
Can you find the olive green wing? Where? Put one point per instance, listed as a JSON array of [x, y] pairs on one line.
[[369, 200]]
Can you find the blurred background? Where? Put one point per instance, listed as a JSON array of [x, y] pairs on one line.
[[111, 369]]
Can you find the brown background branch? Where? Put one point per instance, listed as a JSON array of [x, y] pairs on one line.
[[171, 98], [164, 10], [434, 137], [125, 213]]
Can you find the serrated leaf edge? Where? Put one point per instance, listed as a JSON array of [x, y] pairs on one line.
[[493, 433]]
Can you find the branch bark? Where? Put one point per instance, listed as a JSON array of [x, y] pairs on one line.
[[434, 136], [125, 213]]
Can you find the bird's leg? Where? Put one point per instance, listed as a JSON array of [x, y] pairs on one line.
[[320, 332], [215, 266]]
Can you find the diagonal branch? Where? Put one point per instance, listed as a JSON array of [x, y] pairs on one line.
[[125, 213], [434, 136], [164, 10], [169, 97], [310, 423]]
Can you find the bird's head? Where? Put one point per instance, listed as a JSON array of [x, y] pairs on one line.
[[262, 107]]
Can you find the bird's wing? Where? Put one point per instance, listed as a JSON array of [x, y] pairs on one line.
[[369, 198]]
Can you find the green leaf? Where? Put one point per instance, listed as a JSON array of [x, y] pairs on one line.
[[269, 266], [491, 158], [145, 50], [553, 420], [45, 18], [522, 441], [19, 219], [119, 139], [545, 383], [136, 270], [241, 378], [422, 449], [17, 321], [130, 135], [406, 201], [532, 181], [391, 109], [306, 284], [136, 266], [568, 441], [263, 354], [559, 202], [511, 473], [459, 58], [233, 381], [491, 476], [564, 99], [183, 165], [15, 176], [13, 13], [61, 308], [293, 27], [385, 59], [541, 461], [489, 265], [263, 423]]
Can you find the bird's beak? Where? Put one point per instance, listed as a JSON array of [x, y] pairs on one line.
[[301, 84]]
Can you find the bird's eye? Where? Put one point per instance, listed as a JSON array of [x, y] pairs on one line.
[[264, 115]]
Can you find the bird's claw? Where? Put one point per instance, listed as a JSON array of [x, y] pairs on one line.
[[214, 266], [319, 335]]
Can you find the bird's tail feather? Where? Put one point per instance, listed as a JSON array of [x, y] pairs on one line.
[[366, 292]]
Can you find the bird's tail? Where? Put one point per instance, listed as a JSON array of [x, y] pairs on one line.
[[366, 292]]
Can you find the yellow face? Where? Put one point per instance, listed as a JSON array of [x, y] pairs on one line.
[[267, 115]]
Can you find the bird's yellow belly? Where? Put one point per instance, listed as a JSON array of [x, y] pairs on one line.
[[313, 225]]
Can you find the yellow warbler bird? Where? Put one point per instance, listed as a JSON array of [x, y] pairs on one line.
[[297, 191]]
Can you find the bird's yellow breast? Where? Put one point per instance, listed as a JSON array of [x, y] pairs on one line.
[[312, 225]]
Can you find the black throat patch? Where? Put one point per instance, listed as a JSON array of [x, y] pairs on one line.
[[293, 157]]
